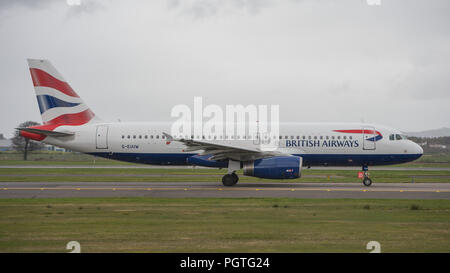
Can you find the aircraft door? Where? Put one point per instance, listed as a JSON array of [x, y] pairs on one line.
[[101, 137], [369, 136]]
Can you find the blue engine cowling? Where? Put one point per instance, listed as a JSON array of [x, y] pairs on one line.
[[204, 160], [279, 167]]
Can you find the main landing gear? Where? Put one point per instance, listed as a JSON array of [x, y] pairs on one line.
[[366, 180], [231, 178]]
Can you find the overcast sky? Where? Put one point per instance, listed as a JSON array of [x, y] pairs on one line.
[[320, 60]]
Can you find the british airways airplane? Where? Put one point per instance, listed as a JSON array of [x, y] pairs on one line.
[[68, 122]]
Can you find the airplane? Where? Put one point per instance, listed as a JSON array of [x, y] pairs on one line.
[[69, 123]]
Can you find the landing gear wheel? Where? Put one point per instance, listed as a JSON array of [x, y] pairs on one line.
[[229, 180], [235, 177], [367, 181]]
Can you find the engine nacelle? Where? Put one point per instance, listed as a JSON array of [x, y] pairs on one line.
[[279, 167]]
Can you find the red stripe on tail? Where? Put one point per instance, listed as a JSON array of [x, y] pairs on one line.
[[42, 78], [71, 119]]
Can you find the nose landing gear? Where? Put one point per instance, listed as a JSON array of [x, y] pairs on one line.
[[366, 180]]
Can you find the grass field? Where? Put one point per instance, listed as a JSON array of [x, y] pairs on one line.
[[216, 224], [99, 174], [223, 225]]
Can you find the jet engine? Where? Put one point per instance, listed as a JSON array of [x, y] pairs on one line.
[[279, 167]]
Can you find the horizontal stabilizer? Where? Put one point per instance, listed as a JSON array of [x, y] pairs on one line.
[[46, 132]]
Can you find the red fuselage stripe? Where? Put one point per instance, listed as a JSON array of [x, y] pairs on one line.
[[359, 132]]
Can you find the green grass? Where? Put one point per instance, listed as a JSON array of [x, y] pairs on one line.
[[56, 158], [224, 225], [99, 174]]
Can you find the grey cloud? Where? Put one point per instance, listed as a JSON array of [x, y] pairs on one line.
[[86, 6], [425, 83], [320, 60], [207, 8], [5, 4]]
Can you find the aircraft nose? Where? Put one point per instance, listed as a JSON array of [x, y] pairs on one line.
[[419, 149], [416, 149]]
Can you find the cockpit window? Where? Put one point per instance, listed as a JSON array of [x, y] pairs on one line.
[[391, 137], [398, 137]]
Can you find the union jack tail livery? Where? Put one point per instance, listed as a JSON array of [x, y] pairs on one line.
[[58, 102]]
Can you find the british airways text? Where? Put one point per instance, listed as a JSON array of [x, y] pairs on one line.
[[323, 143]]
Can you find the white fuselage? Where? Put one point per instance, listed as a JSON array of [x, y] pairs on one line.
[[318, 143]]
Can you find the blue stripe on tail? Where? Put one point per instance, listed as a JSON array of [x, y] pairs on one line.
[[47, 102]]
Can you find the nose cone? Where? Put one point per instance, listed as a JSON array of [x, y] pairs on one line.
[[415, 150], [419, 149]]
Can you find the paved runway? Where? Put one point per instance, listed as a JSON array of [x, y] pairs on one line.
[[215, 189]]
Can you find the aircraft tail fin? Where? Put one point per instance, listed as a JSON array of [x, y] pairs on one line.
[[58, 103]]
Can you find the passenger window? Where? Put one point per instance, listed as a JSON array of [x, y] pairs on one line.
[[128, 136], [157, 136], [134, 136], [123, 136], [140, 136]]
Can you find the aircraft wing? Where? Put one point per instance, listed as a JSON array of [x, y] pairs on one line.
[[224, 151]]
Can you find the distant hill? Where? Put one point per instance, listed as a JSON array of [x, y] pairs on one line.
[[430, 133]]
